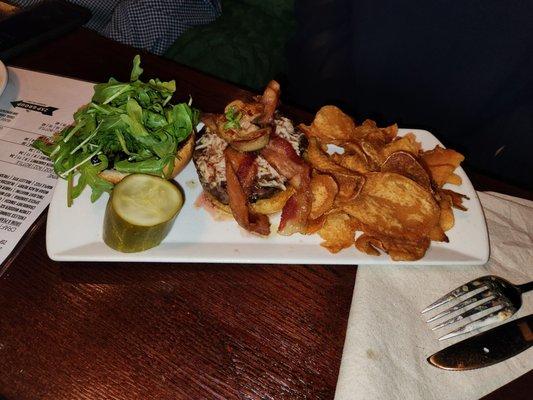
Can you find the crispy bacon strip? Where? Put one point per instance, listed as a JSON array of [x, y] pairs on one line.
[[246, 167], [270, 100], [238, 201], [281, 155]]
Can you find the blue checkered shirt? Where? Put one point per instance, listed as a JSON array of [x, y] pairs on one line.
[[152, 25]]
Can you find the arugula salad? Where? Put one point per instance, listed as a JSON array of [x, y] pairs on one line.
[[128, 126]]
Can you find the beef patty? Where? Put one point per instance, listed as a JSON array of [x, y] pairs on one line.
[[210, 165]]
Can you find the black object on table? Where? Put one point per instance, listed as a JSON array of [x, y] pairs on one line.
[[32, 26]]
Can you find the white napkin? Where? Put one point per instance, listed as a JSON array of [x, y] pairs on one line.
[[388, 341]]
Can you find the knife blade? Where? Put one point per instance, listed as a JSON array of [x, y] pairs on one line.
[[487, 348]]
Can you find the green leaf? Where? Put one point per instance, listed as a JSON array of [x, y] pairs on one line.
[[152, 166], [44, 146], [136, 70], [134, 110], [89, 175], [134, 118], [106, 92], [129, 125], [233, 119], [169, 87], [79, 186], [113, 122], [154, 120], [181, 120]]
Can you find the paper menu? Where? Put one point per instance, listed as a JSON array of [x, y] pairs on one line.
[[33, 104]]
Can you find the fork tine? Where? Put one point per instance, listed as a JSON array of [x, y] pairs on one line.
[[489, 302], [455, 293], [496, 316], [470, 300]]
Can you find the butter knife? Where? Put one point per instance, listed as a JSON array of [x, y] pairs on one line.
[[487, 348]]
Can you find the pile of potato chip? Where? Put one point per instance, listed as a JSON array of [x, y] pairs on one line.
[[380, 184]]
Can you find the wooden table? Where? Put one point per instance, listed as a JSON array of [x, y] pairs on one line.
[[168, 331]]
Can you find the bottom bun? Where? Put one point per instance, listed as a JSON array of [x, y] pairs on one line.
[[217, 204], [183, 156], [269, 205]]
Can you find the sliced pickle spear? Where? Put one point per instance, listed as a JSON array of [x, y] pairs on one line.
[[140, 212]]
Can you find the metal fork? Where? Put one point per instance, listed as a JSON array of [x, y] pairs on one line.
[[490, 292]]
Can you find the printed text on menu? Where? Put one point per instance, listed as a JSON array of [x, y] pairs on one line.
[[32, 105]]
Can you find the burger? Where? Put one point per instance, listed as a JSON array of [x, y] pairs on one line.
[[210, 164], [249, 162]]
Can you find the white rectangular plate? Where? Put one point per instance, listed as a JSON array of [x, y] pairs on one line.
[[75, 233]]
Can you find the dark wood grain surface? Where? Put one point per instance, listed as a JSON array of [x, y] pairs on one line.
[[168, 331]]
